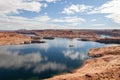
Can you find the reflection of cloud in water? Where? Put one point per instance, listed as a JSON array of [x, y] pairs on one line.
[[73, 55], [50, 65], [13, 61], [44, 46]]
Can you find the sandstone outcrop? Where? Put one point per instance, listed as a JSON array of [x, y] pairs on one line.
[[8, 38], [96, 52]]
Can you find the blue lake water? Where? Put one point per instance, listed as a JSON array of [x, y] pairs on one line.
[[39, 61]]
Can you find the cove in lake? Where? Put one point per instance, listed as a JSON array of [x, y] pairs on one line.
[[39, 61]]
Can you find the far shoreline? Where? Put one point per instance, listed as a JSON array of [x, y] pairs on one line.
[[18, 37]]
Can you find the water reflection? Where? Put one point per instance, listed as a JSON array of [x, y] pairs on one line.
[[14, 60], [43, 60], [73, 55], [49, 65], [10, 60]]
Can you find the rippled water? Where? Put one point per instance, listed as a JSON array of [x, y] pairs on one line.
[[39, 61]]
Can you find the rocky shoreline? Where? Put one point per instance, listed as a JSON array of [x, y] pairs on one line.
[[105, 67]]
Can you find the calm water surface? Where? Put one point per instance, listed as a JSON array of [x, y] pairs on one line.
[[39, 61]]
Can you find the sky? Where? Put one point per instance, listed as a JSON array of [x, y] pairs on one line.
[[59, 14]]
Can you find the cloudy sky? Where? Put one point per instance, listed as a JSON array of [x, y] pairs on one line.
[[59, 14]]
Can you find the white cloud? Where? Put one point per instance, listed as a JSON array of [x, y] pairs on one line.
[[69, 21], [49, 1], [76, 8], [98, 25], [18, 22], [41, 22], [111, 8], [101, 26], [114, 17], [14, 23], [42, 18], [13, 6], [93, 20]]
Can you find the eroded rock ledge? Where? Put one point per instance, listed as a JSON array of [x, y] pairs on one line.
[[105, 67]]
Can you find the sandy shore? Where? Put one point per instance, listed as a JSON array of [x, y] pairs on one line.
[[106, 67]]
